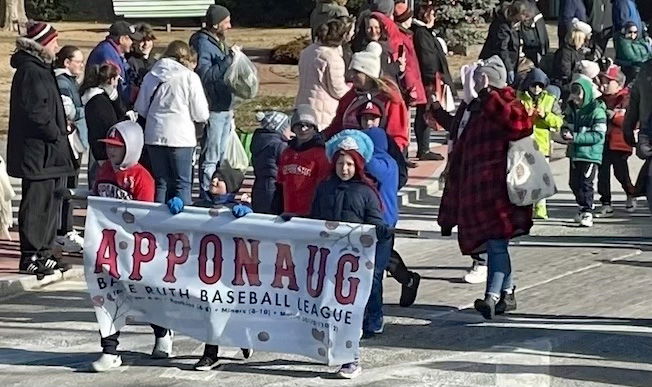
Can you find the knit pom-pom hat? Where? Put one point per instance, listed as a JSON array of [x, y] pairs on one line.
[[351, 140]]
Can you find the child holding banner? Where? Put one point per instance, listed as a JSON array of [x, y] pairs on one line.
[[349, 195], [124, 178]]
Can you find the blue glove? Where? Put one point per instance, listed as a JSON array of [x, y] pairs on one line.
[[241, 210], [175, 205]]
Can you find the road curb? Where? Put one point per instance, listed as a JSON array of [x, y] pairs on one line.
[[22, 283]]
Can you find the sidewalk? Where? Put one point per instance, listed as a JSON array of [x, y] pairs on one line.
[[423, 180]]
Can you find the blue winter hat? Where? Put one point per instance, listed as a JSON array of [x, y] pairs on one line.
[[273, 120], [348, 140]]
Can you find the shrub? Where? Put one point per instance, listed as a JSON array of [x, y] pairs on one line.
[[289, 53], [46, 10]]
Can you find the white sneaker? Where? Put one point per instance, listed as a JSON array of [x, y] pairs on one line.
[[350, 370], [106, 362], [163, 346], [605, 211], [72, 242], [586, 219], [631, 204], [477, 274]]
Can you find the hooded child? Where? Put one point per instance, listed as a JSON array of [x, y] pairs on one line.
[[122, 177], [546, 115], [584, 128]]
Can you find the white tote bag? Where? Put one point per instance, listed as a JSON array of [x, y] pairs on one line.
[[529, 178]]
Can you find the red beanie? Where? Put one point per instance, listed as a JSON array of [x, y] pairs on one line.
[[41, 33]]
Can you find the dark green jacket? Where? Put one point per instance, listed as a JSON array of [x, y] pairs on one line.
[[631, 52], [588, 124]]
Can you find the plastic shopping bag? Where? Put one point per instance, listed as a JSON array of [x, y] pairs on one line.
[[242, 77], [529, 178], [235, 153]]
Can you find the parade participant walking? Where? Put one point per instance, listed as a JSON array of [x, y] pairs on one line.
[[113, 50], [584, 128], [477, 177], [123, 178], [267, 145], [214, 58], [534, 35], [68, 67], [546, 115], [38, 151], [503, 39], [321, 73], [172, 100], [435, 74], [640, 108], [140, 57], [350, 196], [302, 166], [616, 150], [567, 58], [103, 109]]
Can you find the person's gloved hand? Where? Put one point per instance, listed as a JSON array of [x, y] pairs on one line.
[[241, 210], [175, 205], [286, 216]]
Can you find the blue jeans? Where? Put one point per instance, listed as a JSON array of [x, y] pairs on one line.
[[214, 145], [172, 168], [499, 267], [373, 319]]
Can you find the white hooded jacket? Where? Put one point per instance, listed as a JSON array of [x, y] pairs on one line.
[[171, 99]]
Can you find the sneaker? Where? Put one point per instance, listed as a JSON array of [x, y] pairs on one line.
[[350, 370], [411, 164], [409, 291], [631, 204], [54, 263], [577, 217], [606, 211], [163, 346], [430, 156], [72, 242], [486, 307], [34, 265], [477, 274], [247, 352], [106, 362], [586, 219], [206, 363], [507, 302]]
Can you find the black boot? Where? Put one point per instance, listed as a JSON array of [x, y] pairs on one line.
[[486, 307], [34, 265], [409, 292], [507, 302]]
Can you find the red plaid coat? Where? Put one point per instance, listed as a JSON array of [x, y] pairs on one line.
[[475, 196]]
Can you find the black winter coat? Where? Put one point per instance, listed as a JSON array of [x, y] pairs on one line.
[[266, 149], [502, 40], [101, 115], [431, 55], [37, 143], [534, 35], [347, 201], [565, 64], [139, 66]]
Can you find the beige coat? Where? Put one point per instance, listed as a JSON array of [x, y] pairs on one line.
[[321, 81]]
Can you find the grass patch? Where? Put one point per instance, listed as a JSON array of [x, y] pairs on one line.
[[245, 114]]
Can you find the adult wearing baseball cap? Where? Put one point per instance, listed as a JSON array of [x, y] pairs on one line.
[[38, 151], [113, 49], [214, 58]]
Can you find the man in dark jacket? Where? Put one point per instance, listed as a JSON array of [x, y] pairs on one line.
[[113, 49], [503, 39], [214, 59], [38, 150], [534, 37]]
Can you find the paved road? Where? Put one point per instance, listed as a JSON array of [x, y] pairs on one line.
[[584, 319]]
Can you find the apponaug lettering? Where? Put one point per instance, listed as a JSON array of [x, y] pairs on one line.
[[245, 262]]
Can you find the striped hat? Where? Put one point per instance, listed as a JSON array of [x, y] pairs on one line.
[[41, 33]]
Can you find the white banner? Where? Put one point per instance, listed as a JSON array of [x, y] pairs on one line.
[[256, 282]]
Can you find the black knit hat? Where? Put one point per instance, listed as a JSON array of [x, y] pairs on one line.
[[216, 14]]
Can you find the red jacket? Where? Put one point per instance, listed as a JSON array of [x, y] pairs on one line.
[[397, 37], [133, 183], [615, 134], [396, 119], [300, 170], [475, 195]]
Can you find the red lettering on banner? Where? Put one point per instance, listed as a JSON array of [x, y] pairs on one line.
[[353, 282], [138, 255], [248, 262], [174, 258], [284, 267], [323, 256], [217, 259], [107, 247]]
